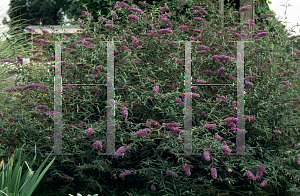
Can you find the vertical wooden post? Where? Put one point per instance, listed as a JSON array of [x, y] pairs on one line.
[[221, 9]]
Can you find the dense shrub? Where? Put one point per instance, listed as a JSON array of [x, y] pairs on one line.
[[149, 113]]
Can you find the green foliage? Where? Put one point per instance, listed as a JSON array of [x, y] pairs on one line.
[[151, 154]]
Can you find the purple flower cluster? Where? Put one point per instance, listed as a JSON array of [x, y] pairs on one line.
[[172, 126], [171, 173], [258, 175], [201, 81], [44, 113], [209, 126], [187, 170], [134, 17], [235, 12], [125, 173], [163, 9], [206, 156], [171, 86], [226, 149], [12, 119], [149, 123], [250, 175], [229, 122], [297, 51], [45, 32], [261, 168], [218, 137], [155, 89], [20, 59], [29, 86], [102, 18], [249, 84], [30, 29], [248, 78], [142, 131], [202, 49], [222, 99], [277, 131], [222, 58], [90, 131], [39, 41], [76, 125], [98, 144], [194, 95], [260, 34], [298, 159], [202, 11], [182, 27], [85, 14], [263, 183], [36, 59], [41, 107], [213, 172], [230, 76], [199, 19], [222, 70], [135, 10], [263, 67], [286, 83], [243, 9], [123, 5], [153, 187], [96, 71], [8, 60], [124, 111], [121, 150]]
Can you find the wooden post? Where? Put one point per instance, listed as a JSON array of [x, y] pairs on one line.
[[221, 9]]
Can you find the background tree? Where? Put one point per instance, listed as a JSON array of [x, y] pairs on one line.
[[48, 12]]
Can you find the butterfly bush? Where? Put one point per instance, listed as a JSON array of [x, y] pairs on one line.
[[165, 20]]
